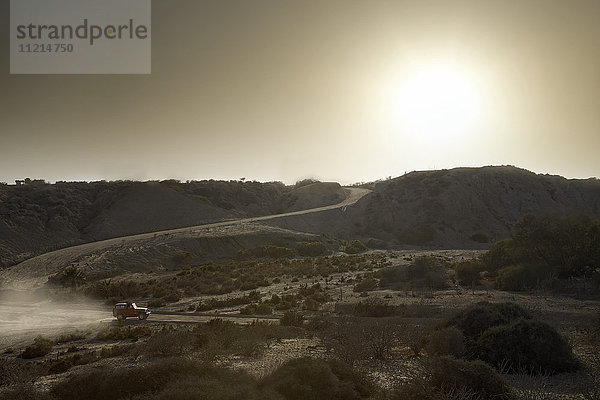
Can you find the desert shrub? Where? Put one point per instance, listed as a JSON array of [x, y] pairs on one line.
[[468, 272], [311, 304], [476, 319], [318, 324], [448, 341], [307, 378], [355, 247], [528, 345], [157, 303], [547, 241], [40, 347], [379, 338], [447, 373], [500, 255], [374, 308], [72, 277], [71, 337], [220, 337], [121, 333], [523, 276], [15, 373], [424, 271], [170, 342], [163, 379], [172, 297], [366, 284], [292, 318], [263, 308], [211, 304], [311, 249]]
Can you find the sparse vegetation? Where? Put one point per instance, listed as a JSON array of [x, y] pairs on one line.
[[423, 272], [40, 347]]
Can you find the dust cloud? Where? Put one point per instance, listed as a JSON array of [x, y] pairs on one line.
[[24, 315]]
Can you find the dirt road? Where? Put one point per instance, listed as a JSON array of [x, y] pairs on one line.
[[33, 272]]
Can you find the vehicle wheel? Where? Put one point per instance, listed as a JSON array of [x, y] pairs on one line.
[[142, 316], [121, 317]]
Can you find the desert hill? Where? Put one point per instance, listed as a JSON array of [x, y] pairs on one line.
[[37, 218], [461, 208], [456, 208]]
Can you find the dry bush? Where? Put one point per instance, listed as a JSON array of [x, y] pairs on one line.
[[40, 347], [120, 333], [169, 341], [292, 318]]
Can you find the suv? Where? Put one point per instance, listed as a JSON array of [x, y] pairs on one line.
[[124, 310]]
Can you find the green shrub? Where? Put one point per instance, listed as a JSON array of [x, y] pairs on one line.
[[307, 378], [523, 276], [40, 347], [468, 272], [526, 345], [478, 318], [548, 241], [355, 247], [292, 318]]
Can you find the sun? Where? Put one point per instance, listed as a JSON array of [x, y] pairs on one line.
[[437, 103]]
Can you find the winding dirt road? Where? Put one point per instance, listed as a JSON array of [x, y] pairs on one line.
[[33, 272]]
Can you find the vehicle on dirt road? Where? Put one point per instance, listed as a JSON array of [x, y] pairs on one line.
[[128, 310]]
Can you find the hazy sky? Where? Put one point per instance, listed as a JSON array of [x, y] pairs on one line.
[[340, 90]]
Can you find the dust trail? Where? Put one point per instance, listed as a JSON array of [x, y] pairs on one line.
[[24, 315]]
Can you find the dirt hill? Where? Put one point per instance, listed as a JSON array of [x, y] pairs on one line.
[[37, 218], [457, 208]]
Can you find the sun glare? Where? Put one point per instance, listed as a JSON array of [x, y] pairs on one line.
[[437, 103]]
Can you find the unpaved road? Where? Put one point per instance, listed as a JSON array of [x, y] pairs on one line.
[[33, 272]]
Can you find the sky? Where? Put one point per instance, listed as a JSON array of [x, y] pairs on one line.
[[338, 90]]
